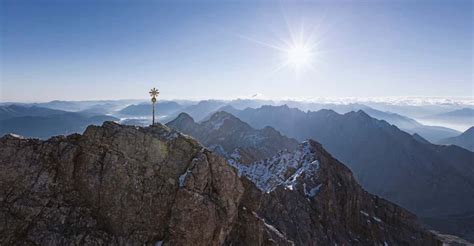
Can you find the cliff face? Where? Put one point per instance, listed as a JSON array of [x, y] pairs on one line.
[[115, 184], [127, 185], [313, 199]]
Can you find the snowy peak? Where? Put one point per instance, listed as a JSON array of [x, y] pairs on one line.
[[286, 169], [315, 189]]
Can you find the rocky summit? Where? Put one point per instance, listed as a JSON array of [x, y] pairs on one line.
[[131, 185]]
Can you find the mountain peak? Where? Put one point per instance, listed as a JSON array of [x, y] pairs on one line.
[[363, 113], [147, 185], [184, 117], [228, 108], [469, 131], [309, 177], [420, 139], [278, 107], [221, 115]]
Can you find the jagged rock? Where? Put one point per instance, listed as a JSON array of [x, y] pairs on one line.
[[129, 185], [312, 199], [115, 185]]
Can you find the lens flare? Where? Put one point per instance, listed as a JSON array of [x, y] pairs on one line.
[[299, 52]]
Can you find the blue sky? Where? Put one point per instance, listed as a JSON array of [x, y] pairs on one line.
[[79, 50]]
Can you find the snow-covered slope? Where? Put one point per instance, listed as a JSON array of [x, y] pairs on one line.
[[283, 169]]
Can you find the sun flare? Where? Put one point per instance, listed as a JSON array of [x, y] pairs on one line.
[[299, 51], [299, 56]]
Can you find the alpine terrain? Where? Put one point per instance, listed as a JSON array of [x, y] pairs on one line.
[[130, 185]]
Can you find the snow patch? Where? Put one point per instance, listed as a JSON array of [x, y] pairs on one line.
[[364, 213], [270, 227], [377, 219], [312, 192], [182, 178], [283, 169], [16, 136], [218, 149], [173, 135], [218, 124], [236, 154]]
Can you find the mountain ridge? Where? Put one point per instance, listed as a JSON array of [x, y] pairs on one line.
[[464, 140], [430, 180], [227, 135], [119, 184]]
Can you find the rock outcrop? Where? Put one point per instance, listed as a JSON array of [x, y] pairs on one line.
[[434, 182], [129, 185], [115, 185], [312, 199]]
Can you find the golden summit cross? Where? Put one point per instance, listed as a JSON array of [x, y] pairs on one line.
[[153, 93]]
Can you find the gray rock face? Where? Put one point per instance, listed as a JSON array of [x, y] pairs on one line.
[[318, 202], [435, 182], [115, 184], [128, 185]]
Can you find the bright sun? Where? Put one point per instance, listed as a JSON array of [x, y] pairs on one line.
[[300, 52], [299, 56]]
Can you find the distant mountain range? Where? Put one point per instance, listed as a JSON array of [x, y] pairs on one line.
[[465, 140], [204, 109], [430, 133], [460, 113], [40, 122], [144, 109], [137, 111], [168, 110], [75, 106], [456, 118], [428, 179], [11, 111]]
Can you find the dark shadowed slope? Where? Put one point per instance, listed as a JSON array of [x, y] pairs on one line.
[[127, 185], [420, 139], [431, 133]]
